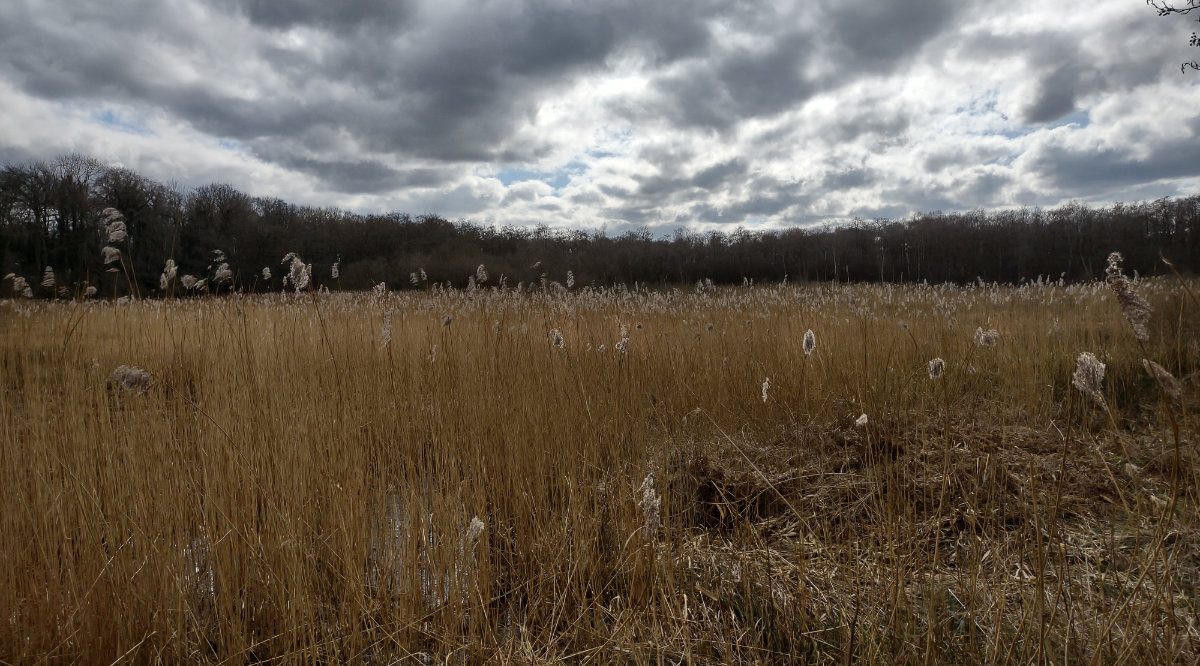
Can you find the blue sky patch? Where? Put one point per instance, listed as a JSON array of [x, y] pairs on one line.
[[110, 118], [557, 178]]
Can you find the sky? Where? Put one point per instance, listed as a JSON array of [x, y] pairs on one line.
[[705, 115]]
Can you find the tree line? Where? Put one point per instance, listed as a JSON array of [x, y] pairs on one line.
[[56, 217]]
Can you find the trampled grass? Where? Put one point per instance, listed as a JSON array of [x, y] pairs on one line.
[[434, 475]]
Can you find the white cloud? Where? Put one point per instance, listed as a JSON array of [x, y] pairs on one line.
[[677, 114]]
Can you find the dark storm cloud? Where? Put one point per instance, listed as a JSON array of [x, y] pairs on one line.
[[874, 118], [339, 15], [1068, 67], [407, 102], [851, 41], [718, 174], [757, 196], [365, 176], [848, 179], [1055, 97], [451, 90], [438, 88], [880, 36], [1070, 170], [722, 176], [721, 91]]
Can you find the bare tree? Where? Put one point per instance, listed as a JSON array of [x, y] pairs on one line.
[[1168, 8]]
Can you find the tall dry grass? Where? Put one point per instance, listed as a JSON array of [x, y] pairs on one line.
[[436, 476]]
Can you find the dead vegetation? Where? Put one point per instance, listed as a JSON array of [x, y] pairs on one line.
[[601, 476]]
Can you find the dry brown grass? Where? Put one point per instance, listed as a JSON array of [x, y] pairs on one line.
[[291, 489]]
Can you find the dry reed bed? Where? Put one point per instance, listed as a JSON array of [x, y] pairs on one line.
[[297, 478]]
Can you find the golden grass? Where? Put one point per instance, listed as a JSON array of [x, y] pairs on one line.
[[297, 486]]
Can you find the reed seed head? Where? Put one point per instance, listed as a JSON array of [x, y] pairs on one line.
[[1134, 308], [1163, 377], [299, 274], [168, 274], [810, 342], [131, 378], [651, 505], [386, 335], [936, 366], [117, 233], [223, 275], [986, 338], [19, 286], [474, 530], [1089, 378]]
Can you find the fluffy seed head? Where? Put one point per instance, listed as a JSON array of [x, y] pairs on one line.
[[117, 233], [223, 274], [810, 342], [130, 378], [556, 338], [266, 273], [935, 368], [1089, 378], [111, 254], [861, 420], [19, 286], [986, 338], [474, 529], [1163, 377], [48, 278], [651, 505], [570, 279], [298, 274], [765, 386], [481, 274], [1134, 308], [386, 335], [168, 274]]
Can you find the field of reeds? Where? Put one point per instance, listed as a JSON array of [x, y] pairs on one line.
[[933, 475]]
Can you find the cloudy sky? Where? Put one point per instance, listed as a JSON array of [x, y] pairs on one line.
[[614, 114]]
